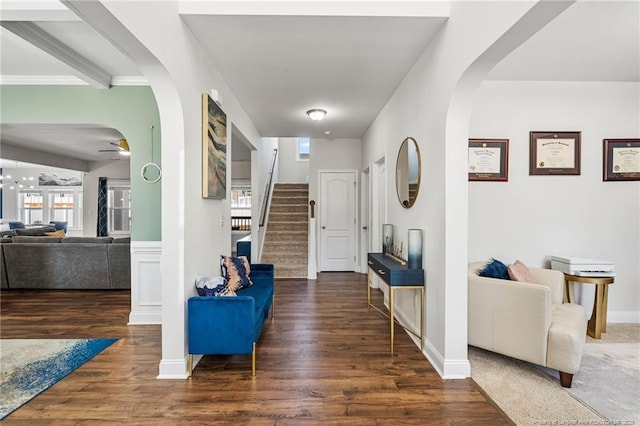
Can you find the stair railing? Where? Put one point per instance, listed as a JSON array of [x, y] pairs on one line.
[[267, 190]]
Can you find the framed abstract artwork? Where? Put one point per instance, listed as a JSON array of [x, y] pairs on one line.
[[214, 149], [554, 153], [621, 159], [489, 160]]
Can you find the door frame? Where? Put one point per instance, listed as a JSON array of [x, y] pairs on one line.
[[355, 214], [365, 218]]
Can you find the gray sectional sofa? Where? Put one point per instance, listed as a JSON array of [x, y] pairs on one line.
[[40, 262]]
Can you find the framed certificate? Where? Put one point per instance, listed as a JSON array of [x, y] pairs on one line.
[[489, 159], [554, 153], [621, 159]]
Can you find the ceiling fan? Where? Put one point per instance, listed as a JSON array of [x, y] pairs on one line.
[[122, 145]]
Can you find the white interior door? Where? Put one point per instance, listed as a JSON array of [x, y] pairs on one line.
[[338, 221]]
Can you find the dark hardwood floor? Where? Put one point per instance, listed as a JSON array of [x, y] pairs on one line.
[[323, 361]]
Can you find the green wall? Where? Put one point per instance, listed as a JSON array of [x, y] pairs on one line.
[[131, 110]]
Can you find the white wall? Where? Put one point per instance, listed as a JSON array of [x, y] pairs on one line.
[[323, 157], [195, 231], [109, 169], [433, 105], [532, 217], [240, 171], [261, 161], [296, 171]]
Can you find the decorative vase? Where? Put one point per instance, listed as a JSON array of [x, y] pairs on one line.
[[387, 237], [414, 251]]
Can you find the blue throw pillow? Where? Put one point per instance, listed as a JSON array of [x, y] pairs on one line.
[[495, 269], [236, 271]]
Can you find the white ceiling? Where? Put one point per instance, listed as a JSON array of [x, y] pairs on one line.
[[280, 66]]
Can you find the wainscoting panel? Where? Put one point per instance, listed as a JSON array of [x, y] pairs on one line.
[[146, 283]]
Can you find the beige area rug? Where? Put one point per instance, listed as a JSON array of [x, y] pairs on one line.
[[532, 395]]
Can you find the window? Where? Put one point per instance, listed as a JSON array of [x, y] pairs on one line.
[[31, 206], [119, 207], [241, 209], [61, 205], [302, 149]]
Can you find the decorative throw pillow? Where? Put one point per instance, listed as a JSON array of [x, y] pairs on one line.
[[213, 286], [236, 271], [59, 233], [518, 271], [495, 269]]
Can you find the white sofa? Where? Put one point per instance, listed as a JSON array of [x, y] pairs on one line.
[[527, 321]]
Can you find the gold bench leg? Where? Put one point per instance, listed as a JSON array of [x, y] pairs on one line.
[[253, 360], [190, 364]]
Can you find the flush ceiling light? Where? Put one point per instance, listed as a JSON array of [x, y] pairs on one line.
[[316, 114]]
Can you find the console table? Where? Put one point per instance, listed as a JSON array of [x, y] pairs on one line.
[[598, 321], [397, 277]]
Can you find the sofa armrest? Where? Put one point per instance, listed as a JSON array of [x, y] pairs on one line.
[[552, 279], [221, 325], [261, 272], [509, 317]]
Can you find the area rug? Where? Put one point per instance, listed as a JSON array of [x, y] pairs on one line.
[[604, 390], [30, 366], [609, 381]]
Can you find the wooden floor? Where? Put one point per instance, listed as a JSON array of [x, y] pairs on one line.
[[323, 361]]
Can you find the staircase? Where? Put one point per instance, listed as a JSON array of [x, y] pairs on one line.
[[286, 237]]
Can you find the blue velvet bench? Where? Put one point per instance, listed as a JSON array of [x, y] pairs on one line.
[[227, 325]]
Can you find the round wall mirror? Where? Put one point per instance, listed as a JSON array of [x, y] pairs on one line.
[[151, 172], [408, 172]]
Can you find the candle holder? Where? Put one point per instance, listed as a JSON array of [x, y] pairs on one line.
[[387, 237], [414, 249]]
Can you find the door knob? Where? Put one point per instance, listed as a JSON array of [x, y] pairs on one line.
[[324, 227]]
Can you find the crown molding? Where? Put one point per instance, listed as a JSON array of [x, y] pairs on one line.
[[66, 80], [129, 81], [41, 80]]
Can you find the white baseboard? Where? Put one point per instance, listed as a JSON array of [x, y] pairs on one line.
[[173, 369], [145, 318], [146, 283], [632, 317], [434, 357]]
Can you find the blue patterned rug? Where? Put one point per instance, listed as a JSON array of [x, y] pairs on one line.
[[28, 367]]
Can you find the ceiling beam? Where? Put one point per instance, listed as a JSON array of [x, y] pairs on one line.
[[82, 67], [27, 155]]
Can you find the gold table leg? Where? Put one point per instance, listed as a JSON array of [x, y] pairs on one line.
[[391, 317], [597, 322]]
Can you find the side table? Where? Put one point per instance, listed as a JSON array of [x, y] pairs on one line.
[[598, 321], [396, 277]]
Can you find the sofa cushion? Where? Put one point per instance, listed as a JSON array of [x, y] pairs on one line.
[[31, 240], [60, 233], [87, 240], [35, 232], [236, 271], [518, 271], [495, 269], [213, 286]]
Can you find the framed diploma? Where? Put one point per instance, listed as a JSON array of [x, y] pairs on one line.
[[554, 153], [621, 159], [489, 159]]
